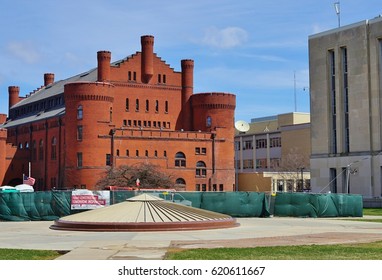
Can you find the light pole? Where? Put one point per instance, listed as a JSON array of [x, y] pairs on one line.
[[338, 12], [301, 169]]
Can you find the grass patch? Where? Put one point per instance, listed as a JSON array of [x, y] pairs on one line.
[[372, 211], [361, 251], [364, 220], [21, 254]]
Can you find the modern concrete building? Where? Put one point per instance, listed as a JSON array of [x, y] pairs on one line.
[[272, 153], [346, 119]]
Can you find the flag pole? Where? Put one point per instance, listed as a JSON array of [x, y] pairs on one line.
[[29, 169]]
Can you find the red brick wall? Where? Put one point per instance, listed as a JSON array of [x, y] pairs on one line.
[[164, 124]]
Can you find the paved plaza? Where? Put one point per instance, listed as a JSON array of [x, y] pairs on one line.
[[252, 232]]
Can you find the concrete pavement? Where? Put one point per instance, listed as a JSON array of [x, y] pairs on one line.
[[252, 232]]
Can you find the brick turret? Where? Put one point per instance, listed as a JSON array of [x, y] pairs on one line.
[[147, 43], [103, 58], [48, 79], [14, 98], [187, 92]]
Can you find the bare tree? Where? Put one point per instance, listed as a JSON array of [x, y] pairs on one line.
[[149, 175], [292, 164]]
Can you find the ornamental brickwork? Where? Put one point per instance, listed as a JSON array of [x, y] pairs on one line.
[[134, 110]]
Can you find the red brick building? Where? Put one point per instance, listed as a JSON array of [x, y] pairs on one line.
[[134, 110]]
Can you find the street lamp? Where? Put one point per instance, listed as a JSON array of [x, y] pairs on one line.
[[338, 12]]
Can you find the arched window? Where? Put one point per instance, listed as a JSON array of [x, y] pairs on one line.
[[147, 105], [146, 153], [20, 146], [27, 145], [156, 106], [166, 106], [180, 184], [53, 154], [180, 160], [41, 150], [80, 112], [180, 181], [201, 170], [156, 153], [127, 104]]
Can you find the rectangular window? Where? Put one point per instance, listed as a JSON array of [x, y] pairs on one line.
[[332, 100], [79, 132], [275, 142], [197, 187], [221, 187], [248, 145], [261, 143], [166, 106], [53, 155], [108, 159], [204, 151], [79, 159], [333, 180], [197, 151], [248, 164], [345, 97]]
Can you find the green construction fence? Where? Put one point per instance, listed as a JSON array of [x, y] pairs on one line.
[[51, 205]]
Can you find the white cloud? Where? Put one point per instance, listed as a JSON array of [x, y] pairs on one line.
[[24, 51], [226, 38]]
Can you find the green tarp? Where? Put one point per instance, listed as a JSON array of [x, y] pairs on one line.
[[55, 204], [318, 205]]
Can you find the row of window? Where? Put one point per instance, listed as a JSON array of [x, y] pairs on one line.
[[139, 123], [147, 105], [43, 105], [132, 76], [214, 187], [260, 163], [291, 185], [180, 161], [53, 153], [260, 144]]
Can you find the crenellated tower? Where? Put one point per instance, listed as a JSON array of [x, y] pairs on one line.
[[88, 116], [13, 92], [48, 79]]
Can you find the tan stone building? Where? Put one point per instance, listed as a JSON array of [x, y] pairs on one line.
[[273, 154], [346, 95]]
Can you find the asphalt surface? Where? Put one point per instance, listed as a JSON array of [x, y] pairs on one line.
[[252, 232]]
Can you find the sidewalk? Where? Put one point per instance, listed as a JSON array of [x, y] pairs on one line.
[[252, 232]]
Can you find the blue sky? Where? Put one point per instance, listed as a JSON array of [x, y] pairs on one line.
[[255, 49]]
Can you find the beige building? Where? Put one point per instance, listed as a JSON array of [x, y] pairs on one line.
[[346, 98], [272, 153]]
